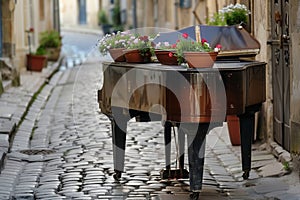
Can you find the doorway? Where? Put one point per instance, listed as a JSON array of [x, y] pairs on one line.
[[280, 45], [82, 11]]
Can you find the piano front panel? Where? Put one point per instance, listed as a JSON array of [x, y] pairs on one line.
[[183, 95]]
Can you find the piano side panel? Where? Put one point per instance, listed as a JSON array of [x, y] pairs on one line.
[[235, 86], [256, 85]]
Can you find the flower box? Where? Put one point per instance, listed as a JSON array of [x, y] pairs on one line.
[[36, 62], [200, 59], [117, 54], [135, 56], [166, 57]]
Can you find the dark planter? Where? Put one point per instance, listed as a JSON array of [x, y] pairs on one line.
[[106, 28], [163, 56], [36, 62], [200, 59], [134, 56]]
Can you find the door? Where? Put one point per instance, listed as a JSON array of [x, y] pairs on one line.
[[280, 44], [0, 29], [82, 11]]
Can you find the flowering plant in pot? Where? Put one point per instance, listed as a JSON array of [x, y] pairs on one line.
[[114, 44], [38, 60], [166, 53], [230, 15], [139, 50], [196, 54]]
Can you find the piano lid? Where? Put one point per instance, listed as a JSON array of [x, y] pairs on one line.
[[235, 40]]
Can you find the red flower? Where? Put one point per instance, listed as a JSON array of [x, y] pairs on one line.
[[185, 35], [177, 41], [170, 54], [31, 30], [203, 40], [144, 38], [219, 46], [173, 46]]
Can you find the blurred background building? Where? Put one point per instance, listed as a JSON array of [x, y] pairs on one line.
[[275, 24]]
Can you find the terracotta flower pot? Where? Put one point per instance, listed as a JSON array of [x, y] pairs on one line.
[[117, 54], [166, 57], [53, 53], [233, 124], [200, 59], [36, 62], [134, 56]]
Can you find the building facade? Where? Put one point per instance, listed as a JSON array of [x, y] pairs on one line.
[[274, 23], [16, 18]]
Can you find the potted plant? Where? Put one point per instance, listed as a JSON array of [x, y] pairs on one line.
[[166, 53], [139, 50], [115, 44], [104, 22], [230, 15], [51, 42], [38, 60], [196, 54]]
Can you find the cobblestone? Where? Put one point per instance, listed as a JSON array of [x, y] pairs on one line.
[[65, 118]]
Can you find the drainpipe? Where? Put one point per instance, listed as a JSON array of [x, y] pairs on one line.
[[56, 17], [176, 4], [134, 14]]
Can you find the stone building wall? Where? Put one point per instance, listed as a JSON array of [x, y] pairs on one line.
[[295, 76]]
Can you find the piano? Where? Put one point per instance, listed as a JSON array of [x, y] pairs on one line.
[[193, 100]]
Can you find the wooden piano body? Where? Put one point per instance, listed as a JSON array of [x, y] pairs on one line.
[[194, 100], [136, 90]]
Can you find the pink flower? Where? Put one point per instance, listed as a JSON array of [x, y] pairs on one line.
[[219, 46], [203, 41], [185, 35], [173, 46], [170, 54]]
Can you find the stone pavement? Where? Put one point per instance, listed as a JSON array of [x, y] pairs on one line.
[[62, 149]]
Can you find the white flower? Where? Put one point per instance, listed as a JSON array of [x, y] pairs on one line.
[[166, 44]]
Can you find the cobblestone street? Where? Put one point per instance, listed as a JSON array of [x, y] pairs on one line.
[[63, 150]]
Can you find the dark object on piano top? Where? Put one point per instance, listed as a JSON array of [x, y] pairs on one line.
[[235, 40]]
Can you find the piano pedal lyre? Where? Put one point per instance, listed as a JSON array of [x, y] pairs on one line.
[[174, 174]]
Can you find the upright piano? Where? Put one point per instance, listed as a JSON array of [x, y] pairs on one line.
[[193, 100]]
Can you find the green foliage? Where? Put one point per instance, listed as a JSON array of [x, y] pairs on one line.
[[230, 15], [50, 39], [142, 43], [40, 51], [118, 40], [185, 44], [102, 17]]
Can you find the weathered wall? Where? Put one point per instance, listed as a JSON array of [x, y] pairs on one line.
[[262, 31], [295, 75]]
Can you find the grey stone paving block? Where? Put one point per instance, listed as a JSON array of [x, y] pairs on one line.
[[270, 186]]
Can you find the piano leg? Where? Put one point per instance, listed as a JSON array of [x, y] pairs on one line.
[[181, 143], [196, 152], [246, 131], [119, 142], [167, 132]]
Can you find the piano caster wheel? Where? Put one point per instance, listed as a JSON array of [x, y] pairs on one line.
[[194, 196], [246, 174], [117, 175]]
